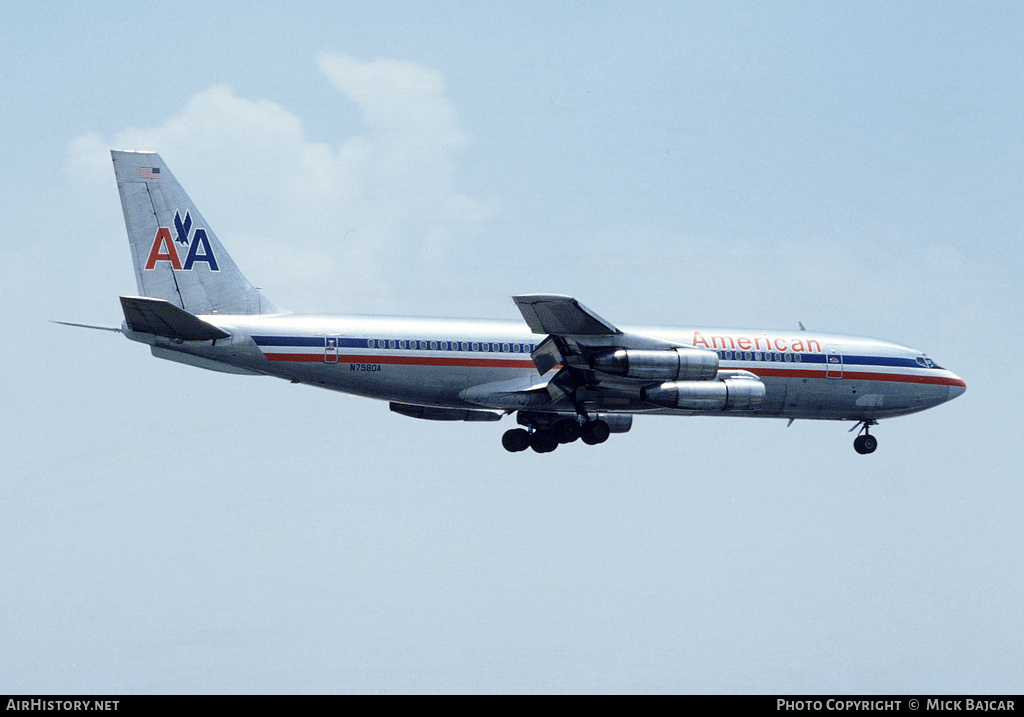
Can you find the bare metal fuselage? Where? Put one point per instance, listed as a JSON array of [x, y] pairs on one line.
[[463, 363]]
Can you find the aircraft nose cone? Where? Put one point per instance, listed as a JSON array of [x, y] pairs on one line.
[[956, 389]]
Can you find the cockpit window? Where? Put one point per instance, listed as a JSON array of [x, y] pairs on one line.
[[927, 362]]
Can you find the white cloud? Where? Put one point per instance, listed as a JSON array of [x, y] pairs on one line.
[[325, 222]]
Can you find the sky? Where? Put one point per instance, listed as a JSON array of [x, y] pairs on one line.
[[852, 166]]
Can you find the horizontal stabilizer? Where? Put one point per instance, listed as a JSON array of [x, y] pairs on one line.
[[561, 315], [162, 318], [87, 326]]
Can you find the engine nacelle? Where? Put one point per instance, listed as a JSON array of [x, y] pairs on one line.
[[678, 364], [731, 394], [617, 422]]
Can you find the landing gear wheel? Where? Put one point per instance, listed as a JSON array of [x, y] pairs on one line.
[[865, 443], [595, 432], [566, 430], [543, 441], [515, 440]]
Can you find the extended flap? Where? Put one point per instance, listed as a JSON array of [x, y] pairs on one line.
[[547, 355]]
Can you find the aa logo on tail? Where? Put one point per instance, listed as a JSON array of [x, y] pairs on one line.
[[198, 244]]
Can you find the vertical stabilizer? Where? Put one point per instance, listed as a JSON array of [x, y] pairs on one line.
[[177, 256]]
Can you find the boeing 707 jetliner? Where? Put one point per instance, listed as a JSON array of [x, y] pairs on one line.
[[565, 372]]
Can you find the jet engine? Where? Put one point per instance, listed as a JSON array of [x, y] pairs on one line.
[[678, 364], [730, 394]]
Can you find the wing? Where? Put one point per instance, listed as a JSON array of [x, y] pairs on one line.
[[556, 314], [601, 367], [573, 331]]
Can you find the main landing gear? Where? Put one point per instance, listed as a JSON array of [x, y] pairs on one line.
[[865, 442], [546, 438]]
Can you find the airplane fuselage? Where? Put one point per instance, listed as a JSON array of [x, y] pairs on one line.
[[439, 362]]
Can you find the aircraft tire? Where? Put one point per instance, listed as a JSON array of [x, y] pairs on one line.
[[566, 430], [595, 432], [515, 440], [543, 441], [865, 444]]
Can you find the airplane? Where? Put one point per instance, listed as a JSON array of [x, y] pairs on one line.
[[565, 372]]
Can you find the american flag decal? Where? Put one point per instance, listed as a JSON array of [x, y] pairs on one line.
[[149, 173]]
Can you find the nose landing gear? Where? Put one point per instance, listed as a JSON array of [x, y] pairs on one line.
[[865, 443]]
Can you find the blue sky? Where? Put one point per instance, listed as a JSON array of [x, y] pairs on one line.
[[855, 167]]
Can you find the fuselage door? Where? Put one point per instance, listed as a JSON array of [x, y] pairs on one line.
[[833, 362], [330, 350]]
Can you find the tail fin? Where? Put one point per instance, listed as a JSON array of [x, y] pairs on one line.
[[177, 256]]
